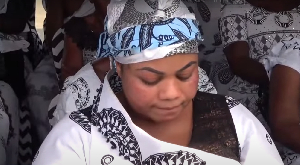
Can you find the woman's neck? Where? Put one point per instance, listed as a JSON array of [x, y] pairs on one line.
[[177, 131]]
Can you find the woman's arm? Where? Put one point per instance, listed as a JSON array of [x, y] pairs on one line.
[[72, 60], [234, 32], [284, 106], [242, 65], [54, 19]]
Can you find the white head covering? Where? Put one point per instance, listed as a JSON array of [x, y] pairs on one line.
[[144, 30]]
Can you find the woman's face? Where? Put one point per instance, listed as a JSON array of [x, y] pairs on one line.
[[160, 90]]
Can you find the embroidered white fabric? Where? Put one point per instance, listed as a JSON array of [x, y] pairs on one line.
[[286, 52]]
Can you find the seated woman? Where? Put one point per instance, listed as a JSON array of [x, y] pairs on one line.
[[248, 32], [212, 58], [80, 89], [284, 71], [159, 117]]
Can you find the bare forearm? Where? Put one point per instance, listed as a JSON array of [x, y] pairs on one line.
[[251, 70]]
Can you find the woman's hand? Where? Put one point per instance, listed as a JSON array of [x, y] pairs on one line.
[[242, 65]]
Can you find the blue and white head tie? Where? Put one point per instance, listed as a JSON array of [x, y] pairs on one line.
[[144, 30], [103, 48]]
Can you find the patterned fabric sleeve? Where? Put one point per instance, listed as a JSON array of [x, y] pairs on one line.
[[233, 24], [286, 53]]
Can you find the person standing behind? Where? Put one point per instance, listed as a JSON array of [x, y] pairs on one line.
[[211, 56], [249, 29]]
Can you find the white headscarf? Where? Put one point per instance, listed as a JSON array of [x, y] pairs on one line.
[[159, 29]]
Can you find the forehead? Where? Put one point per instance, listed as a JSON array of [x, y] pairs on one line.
[[171, 63]]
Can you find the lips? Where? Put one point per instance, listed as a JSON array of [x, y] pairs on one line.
[[168, 108]]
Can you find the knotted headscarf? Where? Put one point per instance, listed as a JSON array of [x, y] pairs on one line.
[[144, 30]]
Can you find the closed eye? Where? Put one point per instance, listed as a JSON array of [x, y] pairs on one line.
[[150, 83], [184, 78]]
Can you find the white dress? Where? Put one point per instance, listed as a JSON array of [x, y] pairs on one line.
[[261, 30], [211, 56], [80, 138], [286, 53]]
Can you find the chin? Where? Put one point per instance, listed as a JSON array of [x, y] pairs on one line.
[[162, 116]]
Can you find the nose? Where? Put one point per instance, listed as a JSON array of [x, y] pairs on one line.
[[169, 90]]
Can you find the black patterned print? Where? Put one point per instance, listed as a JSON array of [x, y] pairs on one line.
[[82, 118], [81, 91], [114, 127], [231, 102]]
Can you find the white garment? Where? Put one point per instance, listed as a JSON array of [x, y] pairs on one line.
[[286, 53], [79, 92], [4, 130], [261, 30], [42, 88], [87, 8], [13, 45], [211, 56], [9, 125], [77, 139]]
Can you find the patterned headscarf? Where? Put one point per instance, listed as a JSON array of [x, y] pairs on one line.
[[144, 30]]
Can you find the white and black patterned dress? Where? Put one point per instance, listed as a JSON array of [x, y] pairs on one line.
[[261, 30], [26, 58], [105, 134], [211, 56]]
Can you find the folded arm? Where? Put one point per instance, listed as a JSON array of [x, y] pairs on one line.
[[242, 65], [234, 32]]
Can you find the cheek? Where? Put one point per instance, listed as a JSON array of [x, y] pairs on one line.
[[193, 83], [139, 95], [191, 86]]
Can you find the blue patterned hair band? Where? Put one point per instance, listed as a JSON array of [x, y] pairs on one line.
[[134, 40], [143, 30]]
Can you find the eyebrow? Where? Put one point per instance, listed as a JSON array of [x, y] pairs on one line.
[[162, 73]]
